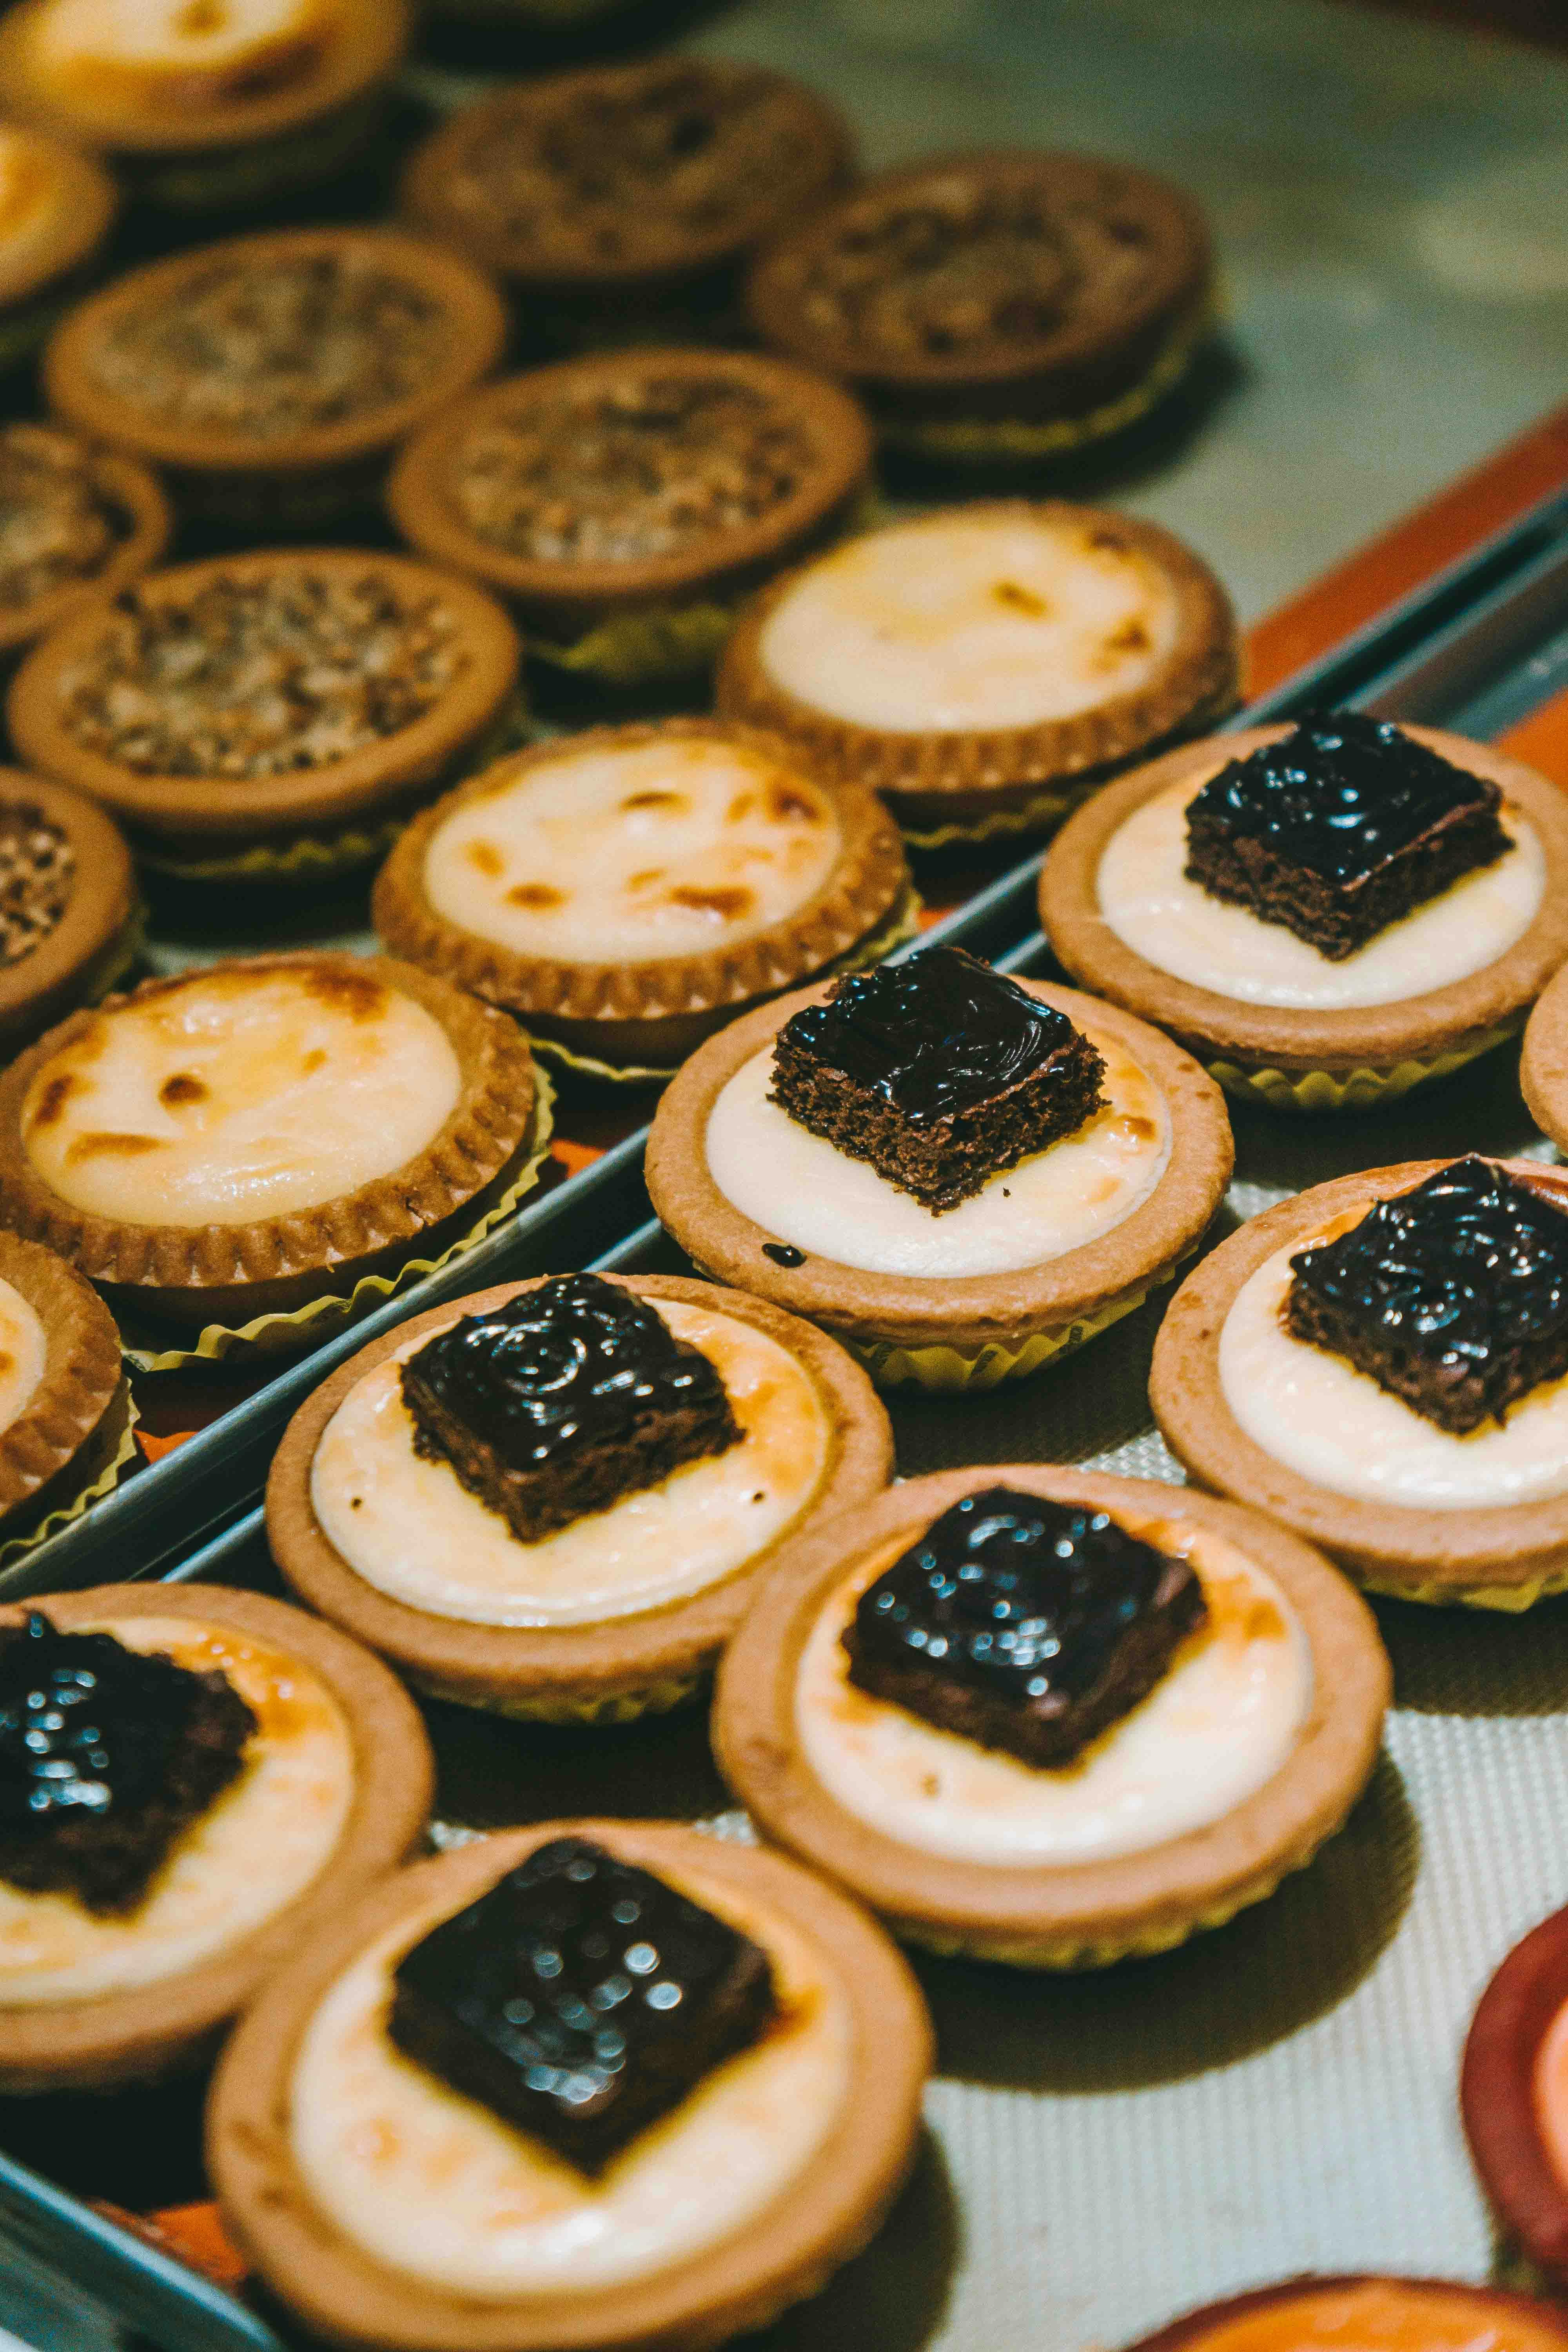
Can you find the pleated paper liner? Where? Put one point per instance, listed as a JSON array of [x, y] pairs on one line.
[[658, 1696], [944, 1368], [92, 1473], [1315, 1092], [280, 1335], [1507, 1600], [231, 180]]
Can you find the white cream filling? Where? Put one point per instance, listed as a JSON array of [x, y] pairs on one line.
[[628, 854], [161, 41], [967, 623], [240, 1095], [263, 1842], [1313, 1411], [409, 1528], [1212, 1732], [435, 2186], [806, 1191], [23, 1349], [1146, 899]]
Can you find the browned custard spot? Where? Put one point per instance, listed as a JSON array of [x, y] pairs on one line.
[[788, 805], [1132, 637], [358, 995], [645, 879], [740, 808], [676, 801], [314, 1060], [7, 1361], [58, 1091], [485, 858], [1108, 543], [180, 1089], [1239, 1614], [101, 1144], [1136, 1128], [535, 894], [728, 905], [1019, 599]]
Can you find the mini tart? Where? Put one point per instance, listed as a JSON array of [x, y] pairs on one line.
[[74, 487], [622, 1663], [1370, 2312], [829, 2207], [458, 1109], [88, 947], [1512, 2095], [1544, 1063], [327, 459], [1040, 1913], [374, 1775], [199, 134], [181, 818], [714, 467], [738, 935], [1501, 1556], [59, 1372], [1296, 1058], [943, 1331], [1067, 301], [56, 209], [986, 667]]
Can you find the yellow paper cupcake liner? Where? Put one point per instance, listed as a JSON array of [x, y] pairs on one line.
[[663, 642], [1315, 1092], [1510, 1599], [950, 1369], [657, 1697], [303, 857], [219, 181], [277, 1335], [100, 1464]]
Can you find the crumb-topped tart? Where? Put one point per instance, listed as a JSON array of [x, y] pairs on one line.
[[56, 209], [1326, 914], [274, 708], [75, 521], [241, 1139], [190, 1781], [1513, 2094], [70, 920], [1049, 1719], [986, 667], [558, 1498], [995, 305], [626, 890], [1366, 2313], [624, 502], [1382, 1364], [591, 2082], [60, 1375], [273, 376], [960, 1175]]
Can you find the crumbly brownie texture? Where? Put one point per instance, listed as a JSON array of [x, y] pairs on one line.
[[106, 1756], [37, 869], [1453, 1296], [268, 348], [580, 1999], [262, 676], [646, 467], [574, 1393], [938, 1071], [1023, 1623], [58, 522], [1339, 828]]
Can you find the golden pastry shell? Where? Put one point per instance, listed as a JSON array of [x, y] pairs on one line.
[[81, 1371], [41, 985]]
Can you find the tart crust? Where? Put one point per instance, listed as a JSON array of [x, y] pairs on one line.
[[972, 1311], [81, 1371], [82, 204], [93, 931], [1544, 1063], [1084, 1914], [571, 1670], [1187, 2333], [217, 810], [1504, 1557], [204, 1274], [739, 2283], [137, 492], [936, 779], [1442, 1020], [1497, 2094], [648, 1015], [130, 2036]]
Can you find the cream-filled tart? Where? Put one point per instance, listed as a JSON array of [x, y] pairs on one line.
[[57, 210], [1326, 914], [960, 1175], [1366, 2313], [60, 1377], [70, 920], [986, 667], [558, 1498], [191, 1780], [590, 2082], [1513, 2094], [626, 890], [1382, 1364], [241, 1139], [1049, 1718]]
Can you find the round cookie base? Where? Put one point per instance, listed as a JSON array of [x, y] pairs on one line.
[[1497, 2094]]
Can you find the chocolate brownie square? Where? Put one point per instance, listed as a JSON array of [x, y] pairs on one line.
[[1453, 1296], [1339, 828], [580, 1999], [557, 1405], [939, 1071], [1023, 1624]]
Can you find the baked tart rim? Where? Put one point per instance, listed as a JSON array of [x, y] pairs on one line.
[[81, 1375], [101, 904]]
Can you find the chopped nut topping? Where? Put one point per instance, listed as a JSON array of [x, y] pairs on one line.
[[57, 523], [270, 348], [648, 466], [255, 677], [38, 867]]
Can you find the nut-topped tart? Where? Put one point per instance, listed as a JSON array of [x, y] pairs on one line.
[[960, 1175], [556, 1499], [57, 210], [1048, 1718], [75, 521], [70, 922], [987, 667], [241, 1141], [1379, 1363], [596, 2083], [625, 502], [190, 1780], [1326, 914], [626, 890]]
